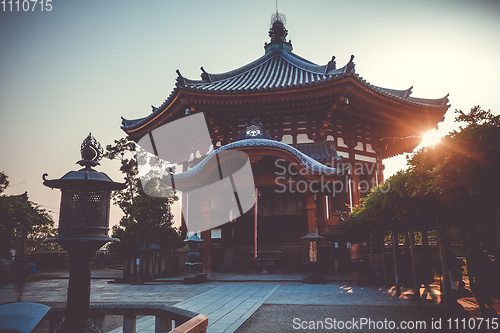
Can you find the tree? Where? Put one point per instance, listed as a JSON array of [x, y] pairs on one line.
[[457, 177], [451, 184], [146, 218], [4, 182], [23, 223], [402, 201]]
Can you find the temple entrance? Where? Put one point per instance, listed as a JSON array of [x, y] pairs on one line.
[[281, 220]]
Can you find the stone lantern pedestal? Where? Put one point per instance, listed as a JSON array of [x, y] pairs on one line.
[[83, 229], [312, 240], [194, 265]]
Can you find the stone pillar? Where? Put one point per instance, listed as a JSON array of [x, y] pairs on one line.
[[77, 316], [311, 213]]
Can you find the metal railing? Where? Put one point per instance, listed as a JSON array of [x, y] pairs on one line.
[[166, 317]]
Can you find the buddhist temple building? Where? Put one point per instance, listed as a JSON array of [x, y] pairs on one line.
[[316, 137]]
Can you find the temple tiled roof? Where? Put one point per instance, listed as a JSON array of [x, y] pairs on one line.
[[279, 69], [276, 70]]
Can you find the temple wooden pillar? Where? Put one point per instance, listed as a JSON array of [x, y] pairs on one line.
[[311, 214], [321, 203], [380, 168], [379, 172], [354, 179], [206, 236], [184, 199], [207, 247]]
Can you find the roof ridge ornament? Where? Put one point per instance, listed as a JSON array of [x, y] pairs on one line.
[[331, 65], [204, 75], [277, 31], [278, 34], [254, 131], [350, 65], [409, 91], [181, 82]]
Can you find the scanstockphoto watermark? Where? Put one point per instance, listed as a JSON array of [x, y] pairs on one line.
[[451, 324], [359, 324], [334, 168], [286, 180]]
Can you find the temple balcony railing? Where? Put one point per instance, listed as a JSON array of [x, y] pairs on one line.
[[166, 317]]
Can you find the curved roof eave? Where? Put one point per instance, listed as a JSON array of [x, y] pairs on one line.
[[309, 163], [131, 124], [404, 95]]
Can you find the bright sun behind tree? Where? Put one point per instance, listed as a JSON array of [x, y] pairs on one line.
[[431, 138]]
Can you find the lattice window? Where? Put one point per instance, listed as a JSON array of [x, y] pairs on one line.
[[95, 197], [75, 196]]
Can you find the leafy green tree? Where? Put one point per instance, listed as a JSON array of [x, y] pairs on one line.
[[454, 178], [23, 223], [470, 158], [4, 182], [454, 183], [146, 218], [402, 201]]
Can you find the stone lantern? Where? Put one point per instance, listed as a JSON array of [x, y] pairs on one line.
[[312, 240], [83, 229], [194, 262]]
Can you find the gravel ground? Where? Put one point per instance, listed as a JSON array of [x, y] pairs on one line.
[[283, 318]]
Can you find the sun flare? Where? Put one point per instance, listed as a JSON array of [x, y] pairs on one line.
[[430, 138]]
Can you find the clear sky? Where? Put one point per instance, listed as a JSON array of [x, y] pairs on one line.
[[79, 67]]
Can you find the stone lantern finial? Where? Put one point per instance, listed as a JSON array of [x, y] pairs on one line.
[[91, 152]]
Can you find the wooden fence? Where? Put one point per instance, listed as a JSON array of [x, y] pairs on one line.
[[59, 260]]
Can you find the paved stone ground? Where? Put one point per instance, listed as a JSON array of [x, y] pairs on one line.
[[232, 305], [241, 306], [53, 292], [227, 306]]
